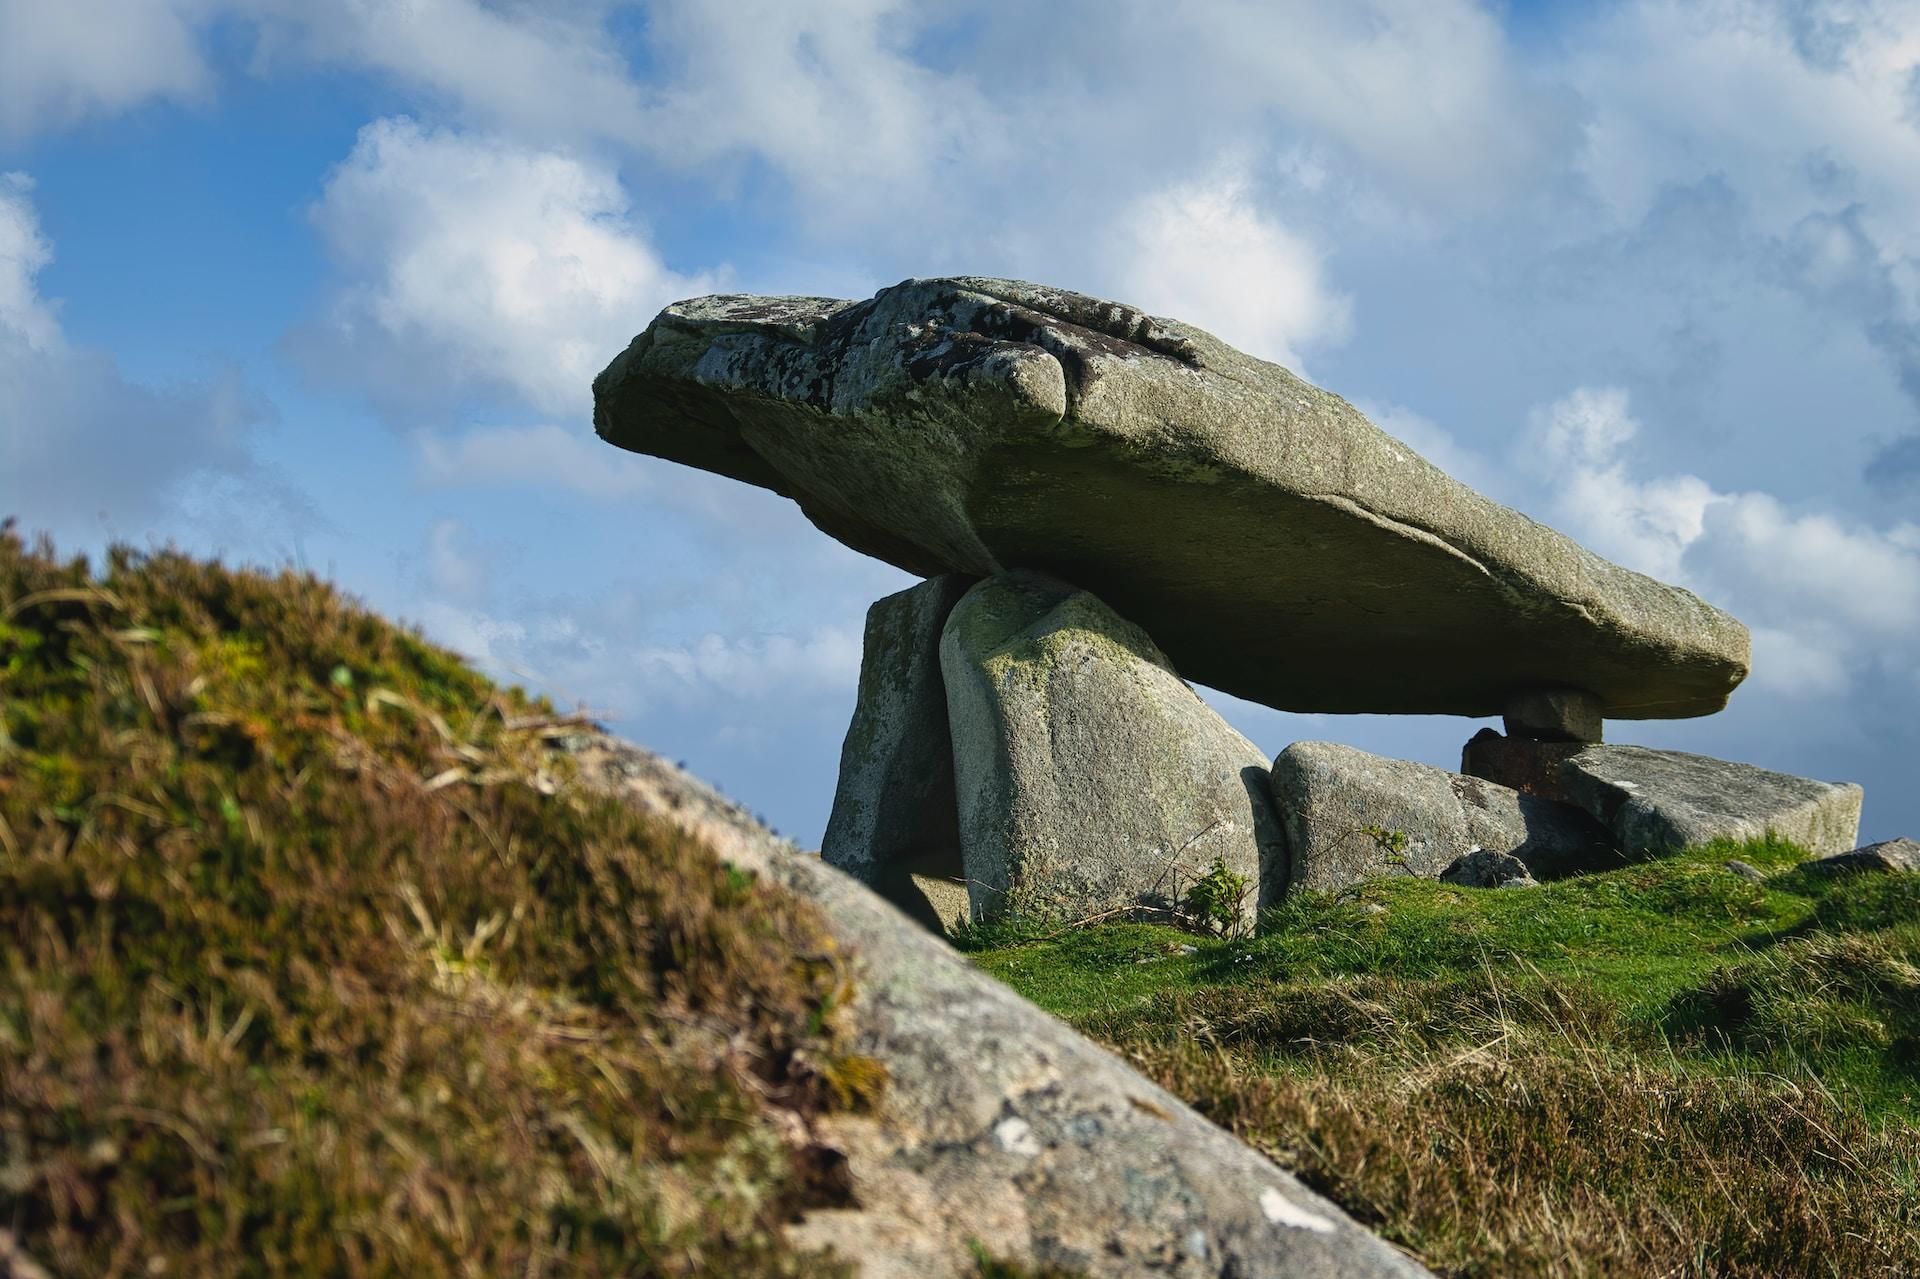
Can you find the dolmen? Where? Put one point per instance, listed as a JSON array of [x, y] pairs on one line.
[[1104, 504]]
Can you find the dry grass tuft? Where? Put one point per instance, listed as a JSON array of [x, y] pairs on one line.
[[313, 962], [1496, 1130]]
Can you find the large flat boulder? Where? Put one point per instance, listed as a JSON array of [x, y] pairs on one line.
[[894, 824], [1090, 777], [1350, 815], [1654, 800], [1277, 544]]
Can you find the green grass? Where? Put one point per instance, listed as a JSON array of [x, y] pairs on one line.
[[315, 959], [1663, 1068]]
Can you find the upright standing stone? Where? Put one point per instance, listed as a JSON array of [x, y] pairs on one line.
[[1090, 776], [1655, 801], [1275, 543], [894, 824]]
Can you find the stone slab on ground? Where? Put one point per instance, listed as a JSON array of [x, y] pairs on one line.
[[1898, 855], [1276, 544], [1655, 800], [894, 803], [1329, 796], [1001, 1124], [1090, 776]]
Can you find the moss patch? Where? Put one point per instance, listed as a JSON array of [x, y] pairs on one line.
[[314, 960]]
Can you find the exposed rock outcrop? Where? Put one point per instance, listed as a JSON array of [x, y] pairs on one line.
[[1001, 1125], [1654, 800], [1350, 816], [1275, 543], [1090, 776]]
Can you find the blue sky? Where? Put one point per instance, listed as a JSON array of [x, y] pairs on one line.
[[328, 282]]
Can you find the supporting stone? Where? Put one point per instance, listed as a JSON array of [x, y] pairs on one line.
[[1527, 766], [1351, 816], [894, 824], [1656, 801], [1090, 776], [1553, 715]]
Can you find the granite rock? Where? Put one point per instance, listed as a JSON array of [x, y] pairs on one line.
[[1344, 810], [1089, 776], [1656, 801], [1276, 544], [1901, 855], [1553, 715], [894, 824], [1484, 868], [1528, 766]]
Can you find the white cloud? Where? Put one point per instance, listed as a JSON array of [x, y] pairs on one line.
[[534, 68], [1825, 599], [64, 61], [828, 91], [455, 569], [720, 676], [1204, 253], [548, 456], [824, 660], [24, 252], [1426, 91], [474, 265], [78, 440]]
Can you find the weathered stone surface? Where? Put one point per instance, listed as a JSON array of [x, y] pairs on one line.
[[1090, 776], [1001, 1124], [1745, 870], [1654, 800], [1553, 715], [894, 825], [1530, 767], [1888, 855], [1329, 796], [1484, 868], [1277, 544]]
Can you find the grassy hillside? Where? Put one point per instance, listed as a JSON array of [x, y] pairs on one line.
[[1662, 1070], [314, 960]]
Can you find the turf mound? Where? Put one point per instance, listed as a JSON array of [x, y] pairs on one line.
[[314, 960]]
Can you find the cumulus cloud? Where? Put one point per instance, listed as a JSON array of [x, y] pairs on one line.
[[723, 675], [472, 265], [80, 440], [547, 456], [1205, 252], [533, 68], [1827, 599], [64, 61], [1426, 91], [829, 92]]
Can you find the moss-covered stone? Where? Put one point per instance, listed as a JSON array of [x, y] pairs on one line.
[[1089, 776]]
